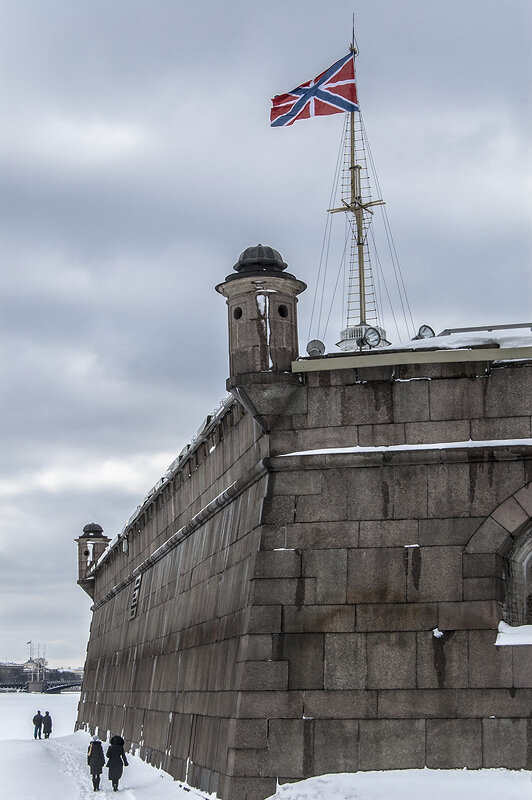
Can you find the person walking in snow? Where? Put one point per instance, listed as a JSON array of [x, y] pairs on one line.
[[47, 724], [116, 760], [95, 760], [37, 721]]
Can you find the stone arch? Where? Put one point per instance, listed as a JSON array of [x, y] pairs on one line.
[[507, 535]]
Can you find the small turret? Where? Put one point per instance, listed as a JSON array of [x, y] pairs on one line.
[[262, 303], [91, 545]]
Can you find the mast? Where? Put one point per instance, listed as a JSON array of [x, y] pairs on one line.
[[358, 207]]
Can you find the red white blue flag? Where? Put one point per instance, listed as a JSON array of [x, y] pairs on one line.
[[332, 92]]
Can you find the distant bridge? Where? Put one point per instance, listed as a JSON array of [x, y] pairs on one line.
[[48, 688], [56, 688]]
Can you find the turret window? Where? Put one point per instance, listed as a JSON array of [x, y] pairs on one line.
[[283, 311], [237, 313]]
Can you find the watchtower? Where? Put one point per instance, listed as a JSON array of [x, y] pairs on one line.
[[91, 545], [262, 304]]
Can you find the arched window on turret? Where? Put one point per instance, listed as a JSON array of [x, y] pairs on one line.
[[518, 574]]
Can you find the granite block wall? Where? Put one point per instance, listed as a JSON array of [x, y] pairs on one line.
[[334, 611]]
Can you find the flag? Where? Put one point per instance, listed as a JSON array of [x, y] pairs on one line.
[[332, 92]]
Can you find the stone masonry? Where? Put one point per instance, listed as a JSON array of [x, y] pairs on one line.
[[273, 613]]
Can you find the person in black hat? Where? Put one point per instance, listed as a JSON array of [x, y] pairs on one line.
[[47, 724], [116, 760]]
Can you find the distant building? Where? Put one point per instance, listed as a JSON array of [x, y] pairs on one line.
[[316, 584]]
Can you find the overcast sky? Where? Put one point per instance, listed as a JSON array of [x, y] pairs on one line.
[[137, 162]]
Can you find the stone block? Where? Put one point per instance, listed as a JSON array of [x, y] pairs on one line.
[[322, 535], [330, 505], [278, 564], [484, 589], [392, 744], [376, 575], [335, 746], [485, 703], [248, 788], [449, 491], [272, 537], [243, 762], [489, 666], [287, 591], [521, 665], [278, 510], [369, 492], [410, 492], [388, 533], [251, 733], [345, 661], [340, 704], [318, 619], [384, 373], [442, 660], [411, 400], [264, 675], [304, 653], [450, 531], [264, 619], [367, 403], [472, 615], [391, 660], [324, 406], [296, 483], [509, 392], [266, 705], [510, 515], [489, 538], [285, 753], [329, 567], [418, 704], [454, 744], [378, 435], [428, 432], [434, 573], [396, 616], [482, 565], [504, 743], [458, 398], [325, 438], [485, 430]]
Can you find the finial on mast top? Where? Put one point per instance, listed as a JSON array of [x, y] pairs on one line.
[[352, 46]]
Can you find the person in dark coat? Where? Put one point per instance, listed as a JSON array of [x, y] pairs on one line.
[[47, 724], [37, 721], [95, 760], [115, 758]]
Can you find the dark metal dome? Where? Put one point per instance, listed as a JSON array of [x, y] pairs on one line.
[[91, 530], [260, 257]]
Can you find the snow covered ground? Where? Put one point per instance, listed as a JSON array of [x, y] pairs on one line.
[[56, 769]]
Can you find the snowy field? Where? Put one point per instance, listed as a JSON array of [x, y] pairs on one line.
[[56, 769]]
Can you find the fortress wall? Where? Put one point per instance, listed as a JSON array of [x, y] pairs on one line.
[[233, 446], [294, 636], [362, 557], [409, 404], [166, 679]]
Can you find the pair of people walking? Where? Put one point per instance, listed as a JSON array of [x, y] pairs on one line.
[[42, 724], [116, 761]]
